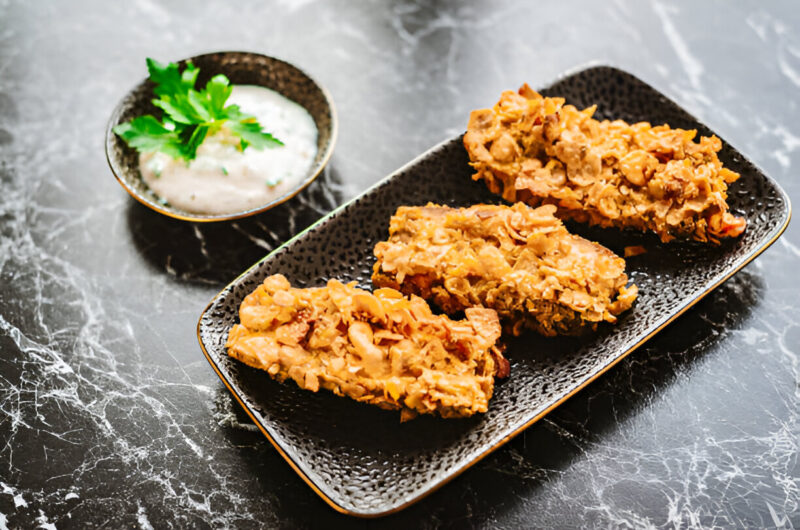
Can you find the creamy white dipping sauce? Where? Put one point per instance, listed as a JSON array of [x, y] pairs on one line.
[[223, 179]]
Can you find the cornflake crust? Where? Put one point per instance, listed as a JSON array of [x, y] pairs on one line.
[[521, 262], [379, 348], [609, 173]]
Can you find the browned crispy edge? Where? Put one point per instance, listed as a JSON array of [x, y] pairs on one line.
[[545, 317]]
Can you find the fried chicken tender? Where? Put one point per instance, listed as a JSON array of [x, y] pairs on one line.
[[520, 261], [378, 348], [609, 173]]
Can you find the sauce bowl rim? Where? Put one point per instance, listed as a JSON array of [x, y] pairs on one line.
[[122, 171]]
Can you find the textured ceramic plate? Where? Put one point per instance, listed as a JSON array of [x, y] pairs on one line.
[[360, 459], [242, 68]]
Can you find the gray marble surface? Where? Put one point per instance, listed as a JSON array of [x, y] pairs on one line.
[[111, 417]]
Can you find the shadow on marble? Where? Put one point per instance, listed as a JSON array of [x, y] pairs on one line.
[[215, 253], [543, 451]]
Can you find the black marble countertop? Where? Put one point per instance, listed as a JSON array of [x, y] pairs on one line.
[[110, 416]]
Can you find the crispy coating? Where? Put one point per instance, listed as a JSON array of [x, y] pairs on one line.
[[609, 173], [379, 348], [520, 261]]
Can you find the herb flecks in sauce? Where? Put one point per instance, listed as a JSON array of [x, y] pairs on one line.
[[222, 178], [195, 156]]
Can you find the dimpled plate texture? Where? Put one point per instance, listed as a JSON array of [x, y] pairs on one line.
[[242, 68], [361, 459]]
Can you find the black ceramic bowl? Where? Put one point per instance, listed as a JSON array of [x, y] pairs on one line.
[[242, 68]]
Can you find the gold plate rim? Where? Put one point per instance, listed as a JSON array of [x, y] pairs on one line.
[[777, 232]]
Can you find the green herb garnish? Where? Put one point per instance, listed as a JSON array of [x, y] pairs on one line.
[[190, 116]]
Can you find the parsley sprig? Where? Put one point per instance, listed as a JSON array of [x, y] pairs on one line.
[[189, 115]]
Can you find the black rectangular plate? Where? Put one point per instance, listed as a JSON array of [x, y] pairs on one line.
[[362, 460]]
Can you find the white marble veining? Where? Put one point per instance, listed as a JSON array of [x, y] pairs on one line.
[[111, 417]]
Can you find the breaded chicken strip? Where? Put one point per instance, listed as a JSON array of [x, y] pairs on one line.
[[379, 348], [517, 260], [609, 173]]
